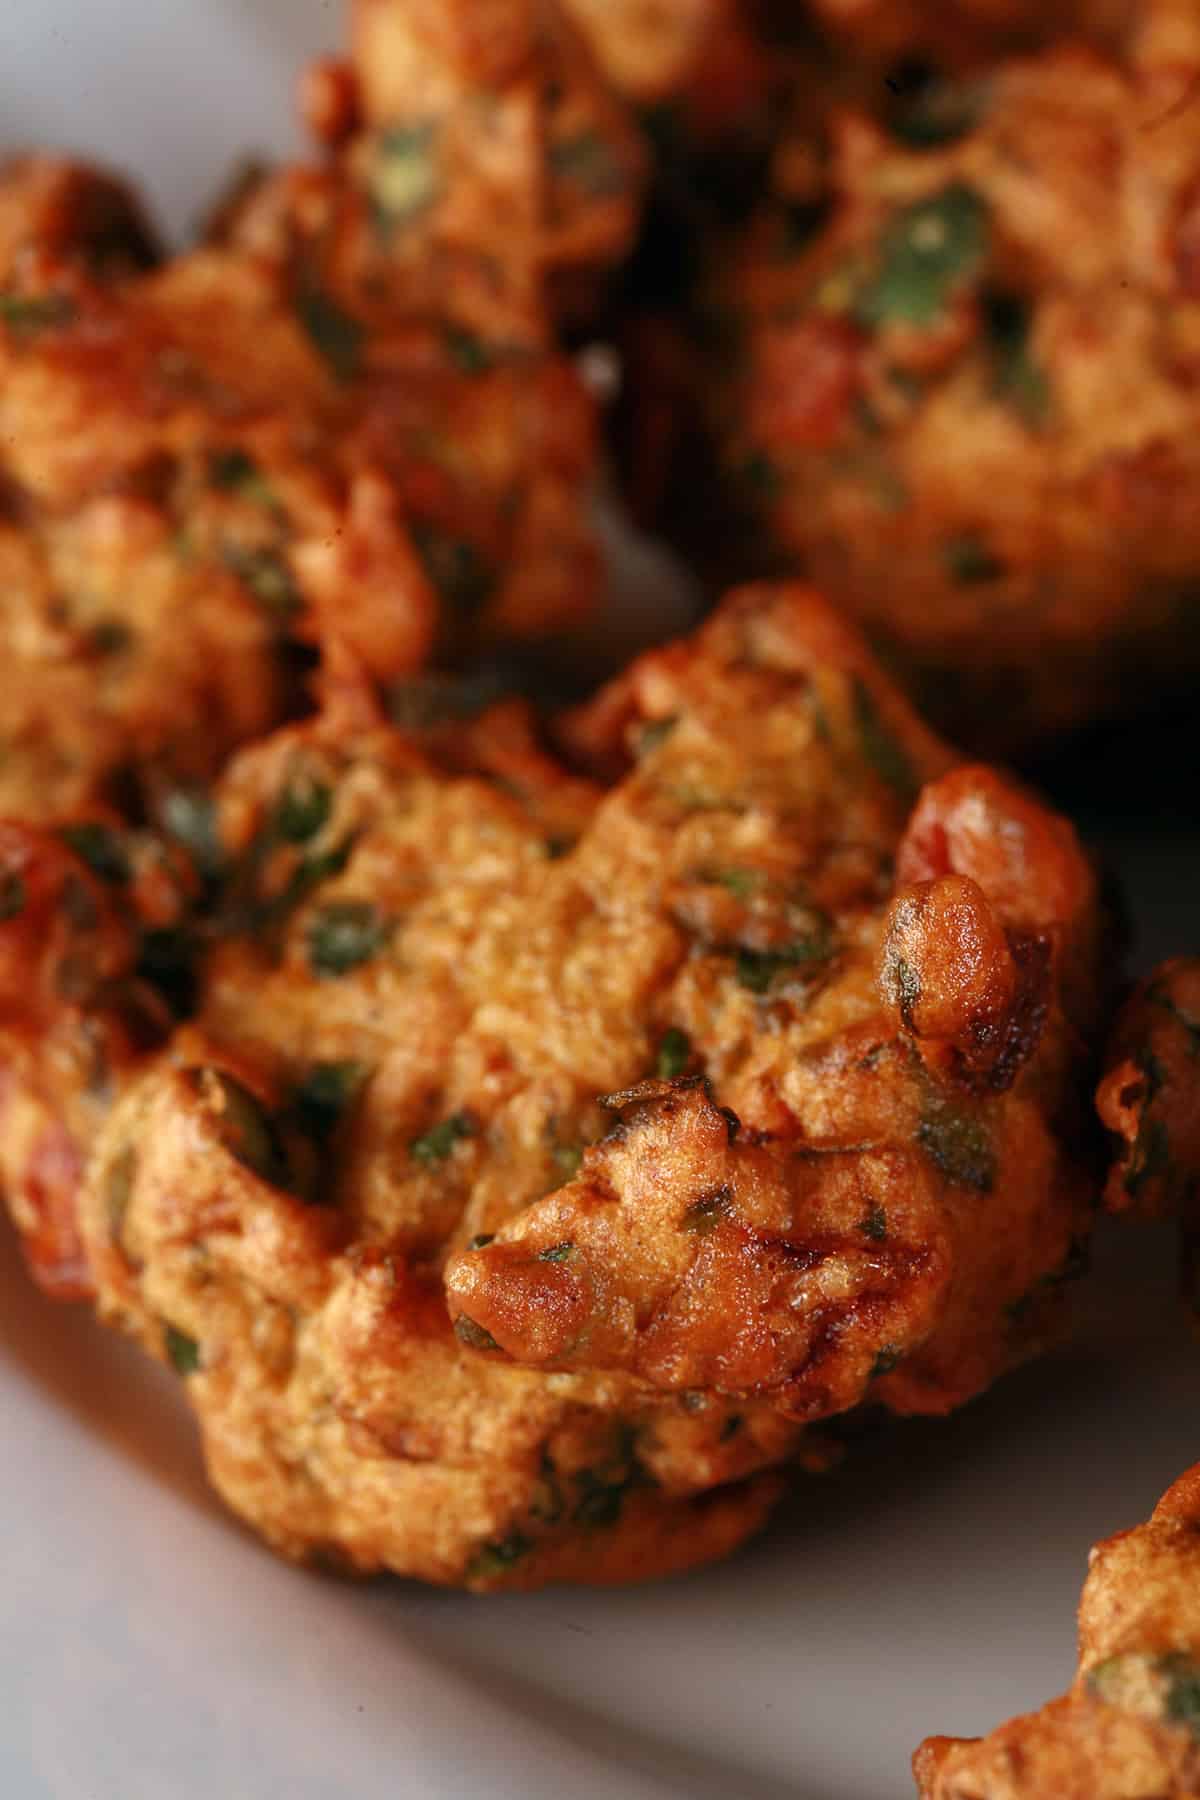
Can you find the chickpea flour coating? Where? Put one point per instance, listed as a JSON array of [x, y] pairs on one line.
[[1129, 1726], [540, 1168], [964, 394]]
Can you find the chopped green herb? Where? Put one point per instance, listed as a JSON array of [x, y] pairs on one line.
[[547, 1505], [757, 969], [320, 1099], [183, 1351], [568, 1157], [588, 162], [469, 353], [12, 894], [118, 1190], [27, 314], [455, 567], [884, 1362], [908, 987], [1151, 1686], [437, 1144], [674, 1054], [302, 809], [705, 1214], [100, 848], [968, 559], [404, 178], [190, 817], [472, 1335], [741, 883], [882, 751], [927, 253], [499, 1556], [557, 1253], [344, 935], [235, 472], [269, 579], [959, 1145], [654, 733], [874, 1224], [244, 1127], [337, 336]]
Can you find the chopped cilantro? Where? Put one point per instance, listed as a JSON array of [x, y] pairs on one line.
[[321, 1097], [654, 733], [757, 969], [27, 314], [886, 756], [456, 568], [404, 178], [589, 163], [1019, 379], [498, 1556], [885, 1361], [557, 1253], [344, 935], [705, 1214], [302, 809], [959, 1145], [190, 817], [674, 1054], [873, 1224], [928, 251], [236, 472], [468, 352], [437, 1144], [269, 579], [183, 1351], [472, 1335], [243, 1126]]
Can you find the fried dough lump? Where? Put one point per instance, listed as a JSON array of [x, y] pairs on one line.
[[1150, 1096], [1129, 1726], [483, 172], [51, 207], [202, 482], [434, 1312], [964, 395]]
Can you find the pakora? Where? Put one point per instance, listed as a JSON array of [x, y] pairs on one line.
[[200, 488], [542, 1165], [963, 393], [1129, 1726]]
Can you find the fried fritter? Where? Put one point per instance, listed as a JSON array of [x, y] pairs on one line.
[[483, 173], [200, 487], [831, 984], [1129, 1727], [964, 394], [957, 33]]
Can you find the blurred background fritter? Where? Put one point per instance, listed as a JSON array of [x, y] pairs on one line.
[[1130, 1723]]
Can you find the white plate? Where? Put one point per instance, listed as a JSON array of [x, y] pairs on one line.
[[150, 1650]]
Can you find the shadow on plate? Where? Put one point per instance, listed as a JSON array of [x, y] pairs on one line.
[[106, 1384]]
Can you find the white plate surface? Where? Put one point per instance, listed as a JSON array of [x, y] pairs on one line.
[[149, 1650]]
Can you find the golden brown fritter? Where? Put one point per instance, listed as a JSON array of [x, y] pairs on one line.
[[964, 394], [484, 173], [832, 985], [957, 33], [198, 481], [1129, 1727]]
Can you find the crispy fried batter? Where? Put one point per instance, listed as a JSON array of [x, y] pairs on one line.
[[50, 207], [967, 399], [437, 975], [1129, 1727]]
